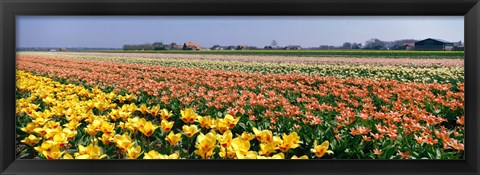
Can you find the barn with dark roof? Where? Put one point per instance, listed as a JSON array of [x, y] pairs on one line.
[[433, 44]]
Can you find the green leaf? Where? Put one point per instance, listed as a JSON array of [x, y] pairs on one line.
[[439, 154], [242, 125]]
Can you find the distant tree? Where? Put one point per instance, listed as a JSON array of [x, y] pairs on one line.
[[347, 45], [274, 43], [356, 45], [127, 47], [323, 47], [252, 48], [215, 47], [158, 46], [138, 47], [460, 43], [375, 43]]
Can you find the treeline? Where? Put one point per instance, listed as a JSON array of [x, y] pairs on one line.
[[139, 47], [372, 44], [153, 46]]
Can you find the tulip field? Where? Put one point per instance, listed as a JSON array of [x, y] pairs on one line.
[[76, 105]]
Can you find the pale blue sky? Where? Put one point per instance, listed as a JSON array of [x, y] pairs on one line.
[[307, 31]]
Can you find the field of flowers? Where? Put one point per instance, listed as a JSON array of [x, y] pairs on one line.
[[80, 107]]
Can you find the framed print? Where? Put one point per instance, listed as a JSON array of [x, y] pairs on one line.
[[239, 87]]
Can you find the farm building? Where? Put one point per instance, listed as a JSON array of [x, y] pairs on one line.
[[229, 47], [216, 47], [409, 46], [173, 46], [158, 46], [191, 46], [433, 44], [271, 47], [404, 46], [242, 47], [293, 47]]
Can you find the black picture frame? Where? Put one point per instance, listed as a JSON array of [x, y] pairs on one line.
[[470, 9]]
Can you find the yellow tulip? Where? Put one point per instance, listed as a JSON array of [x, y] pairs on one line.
[[133, 124], [188, 115], [52, 125], [29, 128], [130, 97], [154, 110], [45, 146], [36, 114], [107, 138], [143, 109], [114, 114], [47, 114], [264, 135], [54, 153], [67, 156], [123, 141], [165, 114], [231, 121], [101, 105], [276, 156], [247, 136], [49, 100], [72, 124], [124, 114], [205, 122], [49, 150], [173, 138], [40, 131], [205, 144], [220, 125], [240, 146], [51, 130], [152, 154], [60, 139], [173, 156], [290, 141], [132, 107], [148, 129], [190, 131], [267, 148], [122, 126], [230, 152], [91, 130], [121, 98], [97, 123], [40, 121], [134, 152], [107, 127], [225, 139], [89, 152], [70, 134], [155, 155], [31, 140], [90, 104], [248, 155], [321, 149], [301, 157], [166, 125]]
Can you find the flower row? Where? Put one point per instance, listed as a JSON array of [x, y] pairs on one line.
[[422, 74]]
